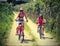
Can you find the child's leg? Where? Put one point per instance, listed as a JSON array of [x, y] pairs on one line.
[[16, 31], [19, 35], [43, 30], [38, 28], [22, 33], [23, 27]]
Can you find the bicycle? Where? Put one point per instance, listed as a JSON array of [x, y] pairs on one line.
[[21, 32], [41, 34]]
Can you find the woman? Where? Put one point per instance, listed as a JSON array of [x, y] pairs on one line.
[[20, 19]]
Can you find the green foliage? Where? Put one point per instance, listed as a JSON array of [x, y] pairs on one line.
[[6, 19], [26, 0], [51, 11], [53, 16]]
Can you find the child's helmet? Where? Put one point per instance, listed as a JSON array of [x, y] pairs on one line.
[[40, 15]]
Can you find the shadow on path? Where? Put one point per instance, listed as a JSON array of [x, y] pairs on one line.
[[47, 38], [28, 40]]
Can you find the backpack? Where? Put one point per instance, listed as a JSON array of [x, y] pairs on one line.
[[44, 21]]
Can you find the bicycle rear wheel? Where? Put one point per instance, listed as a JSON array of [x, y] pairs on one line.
[[22, 39], [40, 32]]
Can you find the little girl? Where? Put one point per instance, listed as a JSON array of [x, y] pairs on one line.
[[20, 29]]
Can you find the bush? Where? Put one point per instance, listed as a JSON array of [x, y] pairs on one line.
[[6, 19]]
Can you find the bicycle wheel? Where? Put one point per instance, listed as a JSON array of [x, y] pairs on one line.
[[22, 37], [40, 32]]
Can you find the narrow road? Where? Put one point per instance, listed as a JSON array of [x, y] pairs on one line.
[[31, 37]]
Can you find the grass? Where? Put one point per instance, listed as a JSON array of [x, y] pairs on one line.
[[27, 28]]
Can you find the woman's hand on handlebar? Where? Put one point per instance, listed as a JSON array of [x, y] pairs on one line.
[[15, 19], [26, 20]]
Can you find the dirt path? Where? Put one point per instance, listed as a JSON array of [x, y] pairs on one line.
[[13, 39]]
